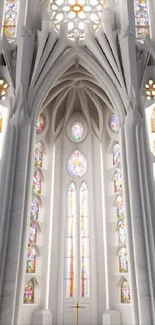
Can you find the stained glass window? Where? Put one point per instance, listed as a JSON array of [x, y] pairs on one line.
[[39, 154], [84, 241], [122, 232], [70, 241], [75, 13], [31, 260], [123, 260], [120, 207], [32, 233], [125, 292], [117, 181], [1, 122], [77, 131], [114, 125], [116, 154], [29, 292], [40, 124], [35, 208], [36, 187], [10, 16], [77, 164], [142, 18], [153, 120]]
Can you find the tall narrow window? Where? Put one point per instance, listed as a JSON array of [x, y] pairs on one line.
[[70, 241], [125, 292], [10, 17], [29, 292], [142, 20], [84, 241]]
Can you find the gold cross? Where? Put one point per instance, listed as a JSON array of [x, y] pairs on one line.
[[77, 311]]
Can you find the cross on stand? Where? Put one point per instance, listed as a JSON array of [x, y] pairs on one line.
[[77, 311]]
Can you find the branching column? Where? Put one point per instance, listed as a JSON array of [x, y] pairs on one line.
[[13, 212], [138, 218]]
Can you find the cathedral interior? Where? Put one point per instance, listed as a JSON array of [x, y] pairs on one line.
[[77, 162]]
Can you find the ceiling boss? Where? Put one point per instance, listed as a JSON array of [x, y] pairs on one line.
[[76, 13]]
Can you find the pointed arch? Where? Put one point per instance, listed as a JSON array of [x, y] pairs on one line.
[[70, 240], [125, 292], [29, 292], [84, 241]]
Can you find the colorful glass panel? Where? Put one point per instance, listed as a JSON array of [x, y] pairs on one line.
[[77, 164], [121, 232], [114, 125], [142, 19], [40, 124], [32, 233], [153, 120], [9, 25], [117, 181], [77, 131], [120, 207], [1, 122], [84, 241], [29, 292], [116, 154], [35, 208], [125, 292], [70, 237], [39, 154], [31, 260], [75, 13], [36, 187], [123, 260]]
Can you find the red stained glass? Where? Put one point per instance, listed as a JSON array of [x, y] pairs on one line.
[[29, 292], [10, 17]]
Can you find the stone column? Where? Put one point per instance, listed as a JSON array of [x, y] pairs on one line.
[[13, 210], [138, 219]]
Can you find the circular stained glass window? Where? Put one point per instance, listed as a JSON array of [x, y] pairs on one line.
[[77, 131], [77, 164], [40, 124], [75, 13], [114, 125]]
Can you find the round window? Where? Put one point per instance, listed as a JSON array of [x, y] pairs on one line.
[[77, 131]]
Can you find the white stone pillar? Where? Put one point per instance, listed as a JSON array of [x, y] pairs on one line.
[[13, 212], [135, 190]]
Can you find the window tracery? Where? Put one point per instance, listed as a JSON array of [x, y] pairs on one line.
[[75, 13]]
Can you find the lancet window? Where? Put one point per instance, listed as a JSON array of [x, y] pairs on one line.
[[35, 228], [120, 210], [10, 18], [77, 224], [142, 20], [77, 256]]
